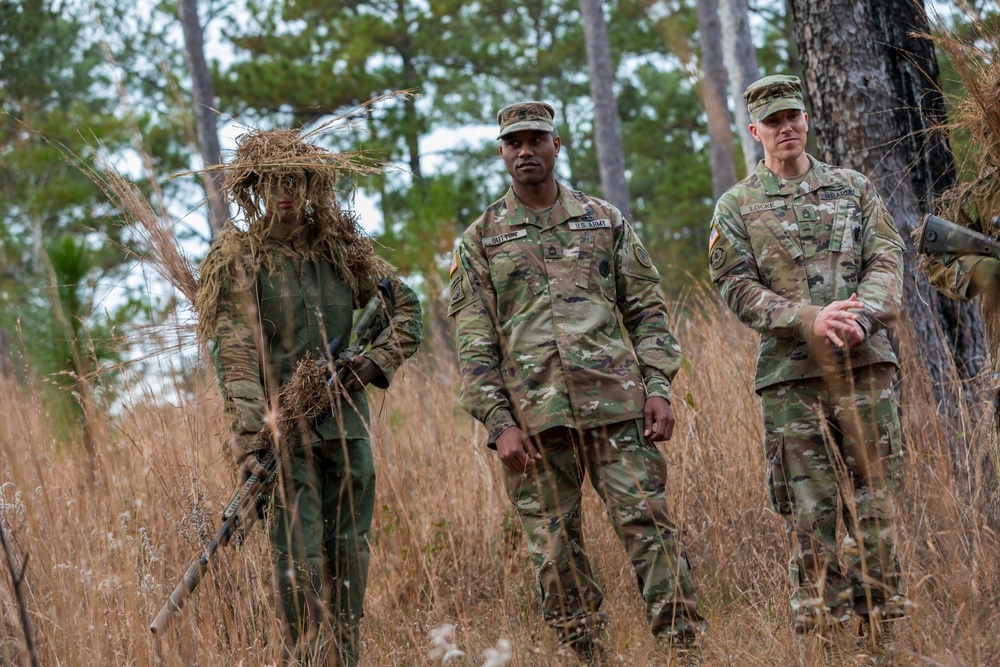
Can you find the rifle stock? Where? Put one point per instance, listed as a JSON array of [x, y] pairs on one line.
[[938, 235]]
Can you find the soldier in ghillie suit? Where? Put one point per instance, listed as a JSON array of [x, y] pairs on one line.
[[975, 205], [807, 255], [536, 289], [270, 297]]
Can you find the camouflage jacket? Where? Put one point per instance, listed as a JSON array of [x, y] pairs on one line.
[[779, 252], [979, 210], [295, 309], [534, 302]]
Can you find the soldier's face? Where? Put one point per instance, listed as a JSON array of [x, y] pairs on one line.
[[282, 204], [783, 133], [530, 155]]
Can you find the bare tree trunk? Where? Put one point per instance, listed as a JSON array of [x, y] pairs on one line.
[[741, 62], [875, 96], [203, 91], [715, 99], [607, 133]]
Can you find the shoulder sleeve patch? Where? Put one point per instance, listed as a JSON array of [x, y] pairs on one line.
[[460, 292], [635, 261], [722, 256]]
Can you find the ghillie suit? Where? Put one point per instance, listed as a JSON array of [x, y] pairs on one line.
[[271, 297], [974, 204]]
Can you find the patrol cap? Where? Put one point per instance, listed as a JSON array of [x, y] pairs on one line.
[[773, 93], [525, 116]]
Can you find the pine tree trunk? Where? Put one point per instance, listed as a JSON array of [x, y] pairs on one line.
[[715, 99], [741, 62], [875, 97], [203, 91], [607, 132]]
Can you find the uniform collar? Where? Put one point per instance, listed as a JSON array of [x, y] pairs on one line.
[[819, 176], [566, 207]]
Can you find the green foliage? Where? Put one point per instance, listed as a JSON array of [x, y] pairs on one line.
[[59, 237]]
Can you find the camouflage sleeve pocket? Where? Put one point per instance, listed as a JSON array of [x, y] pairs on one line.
[[636, 262], [248, 402], [885, 228]]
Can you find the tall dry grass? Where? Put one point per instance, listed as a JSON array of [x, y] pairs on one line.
[[447, 549]]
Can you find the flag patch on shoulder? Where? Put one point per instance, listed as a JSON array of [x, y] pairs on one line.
[[713, 237], [454, 265]]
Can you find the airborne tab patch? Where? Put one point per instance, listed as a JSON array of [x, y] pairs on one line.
[[603, 223], [503, 238], [763, 206]]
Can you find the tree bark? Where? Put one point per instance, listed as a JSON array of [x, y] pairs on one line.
[[875, 98], [203, 91], [607, 131], [741, 62], [715, 99]]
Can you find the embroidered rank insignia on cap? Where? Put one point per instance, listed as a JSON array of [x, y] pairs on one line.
[[503, 238], [454, 265], [713, 237]]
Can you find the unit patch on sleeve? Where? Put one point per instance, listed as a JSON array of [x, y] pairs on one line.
[[718, 257]]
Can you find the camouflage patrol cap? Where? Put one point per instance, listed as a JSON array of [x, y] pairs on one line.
[[526, 116], [773, 93]]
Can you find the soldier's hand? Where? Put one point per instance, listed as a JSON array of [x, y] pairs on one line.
[[837, 322], [516, 450], [360, 373], [985, 276], [250, 465], [659, 419]]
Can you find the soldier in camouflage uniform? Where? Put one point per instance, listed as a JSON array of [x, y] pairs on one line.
[[807, 255], [268, 297], [977, 207], [536, 288]]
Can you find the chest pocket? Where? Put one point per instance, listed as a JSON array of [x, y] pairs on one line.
[[279, 294], [845, 240], [595, 268], [517, 275], [778, 256]]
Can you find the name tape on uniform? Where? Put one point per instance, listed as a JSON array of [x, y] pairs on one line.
[[503, 238], [603, 223], [765, 206]]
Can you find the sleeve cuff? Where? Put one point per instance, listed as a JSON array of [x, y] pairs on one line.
[[658, 387], [498, 422], [386, 363], [802, 328]]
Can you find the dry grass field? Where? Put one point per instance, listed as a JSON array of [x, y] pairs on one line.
[[106, 540]]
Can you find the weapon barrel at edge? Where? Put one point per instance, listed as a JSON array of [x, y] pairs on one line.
[[181, 593]]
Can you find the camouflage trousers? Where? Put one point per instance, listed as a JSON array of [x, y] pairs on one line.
[[629, 474], [319, 531], [833, 449]]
